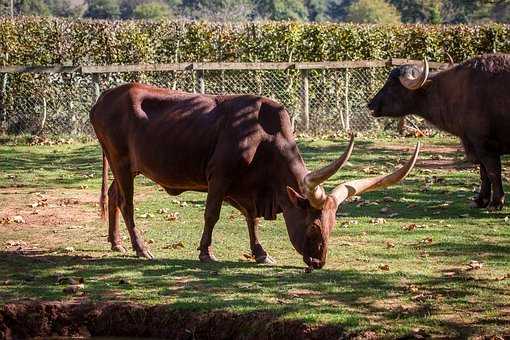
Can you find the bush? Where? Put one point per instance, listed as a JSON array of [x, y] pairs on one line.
[[43, 41]]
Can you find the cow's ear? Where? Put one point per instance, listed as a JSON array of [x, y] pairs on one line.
[[296, 198]]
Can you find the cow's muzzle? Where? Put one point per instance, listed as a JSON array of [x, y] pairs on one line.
[[314, 263], [374, 108]]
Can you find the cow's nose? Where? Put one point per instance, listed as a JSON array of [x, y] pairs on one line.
[[314, 263], [371, 105]]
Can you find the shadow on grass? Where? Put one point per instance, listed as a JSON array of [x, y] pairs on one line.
[[284, 291], [85, 159]]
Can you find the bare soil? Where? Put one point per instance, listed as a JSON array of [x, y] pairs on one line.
[[43, 319]]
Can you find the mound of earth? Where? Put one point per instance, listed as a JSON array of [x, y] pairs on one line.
[[45, 319]]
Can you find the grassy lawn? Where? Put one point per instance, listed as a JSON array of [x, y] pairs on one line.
[[412, 258]]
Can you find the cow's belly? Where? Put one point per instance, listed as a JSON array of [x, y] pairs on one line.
[[179, 179]]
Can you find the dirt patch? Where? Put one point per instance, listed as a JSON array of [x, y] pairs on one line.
[[49, 208], [43, 319]]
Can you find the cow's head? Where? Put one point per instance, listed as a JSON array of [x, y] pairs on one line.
[[312, 212], [398, 96]]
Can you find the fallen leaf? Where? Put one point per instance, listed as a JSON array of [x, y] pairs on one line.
[[73, 289], [393, 214], [18, 219], [384, 267], [163, 211], [123, 282], [426, 240], [379, 220], [390, 244], [474, 265], [69, 249], [17, 243], [172, 216], [410, 227], [177, 245], [248, 256]]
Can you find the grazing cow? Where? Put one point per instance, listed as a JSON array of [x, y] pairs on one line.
[[470, 100], [239, 149]]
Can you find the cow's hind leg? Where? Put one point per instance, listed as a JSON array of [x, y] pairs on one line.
[[114, 219], [124, 179], [484, 196]]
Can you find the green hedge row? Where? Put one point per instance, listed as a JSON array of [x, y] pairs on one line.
[[43, 41]]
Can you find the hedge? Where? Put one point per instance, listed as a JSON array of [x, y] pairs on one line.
[[45, 41]]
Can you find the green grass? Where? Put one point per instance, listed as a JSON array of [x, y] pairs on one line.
[[426, 284]]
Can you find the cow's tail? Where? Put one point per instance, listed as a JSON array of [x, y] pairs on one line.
[[103, 198]]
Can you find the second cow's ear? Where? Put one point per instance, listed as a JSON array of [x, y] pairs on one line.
[[296, 198]]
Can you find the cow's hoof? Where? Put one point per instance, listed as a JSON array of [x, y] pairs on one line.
[[119, 248], [495, 205], [479, 202], [265, 259], [145, 253], [207, 258]]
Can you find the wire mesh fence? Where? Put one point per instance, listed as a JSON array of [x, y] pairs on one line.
[[320, 101]]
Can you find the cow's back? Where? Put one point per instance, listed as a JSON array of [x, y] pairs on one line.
[[171, 136]]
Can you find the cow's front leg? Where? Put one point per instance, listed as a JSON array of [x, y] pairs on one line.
[[257, 251], [484, 196], [492, 164], [211, 216]]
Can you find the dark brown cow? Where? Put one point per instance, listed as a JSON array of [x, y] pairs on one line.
[[470, 100], [238, 149]]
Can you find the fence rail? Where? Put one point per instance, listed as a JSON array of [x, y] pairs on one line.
[[322, 97]]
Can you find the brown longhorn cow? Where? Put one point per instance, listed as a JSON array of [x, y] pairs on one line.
[[470, 100], [239, 149]]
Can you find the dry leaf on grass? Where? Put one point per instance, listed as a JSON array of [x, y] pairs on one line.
[[390, 244], [178, 245], [172, 216], [426, 240], [379, 220], [474, 265], [410, 227], [384, 267], [73, 289]]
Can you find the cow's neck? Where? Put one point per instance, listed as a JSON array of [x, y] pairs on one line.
[[433, 107]]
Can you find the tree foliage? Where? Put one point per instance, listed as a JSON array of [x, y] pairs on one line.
[[410, 11], [372, 11], [152, 11], [103, 9]]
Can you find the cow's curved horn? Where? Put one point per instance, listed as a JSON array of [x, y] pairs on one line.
[[450, 59], [310, 185], [413, 83], [357, 187]]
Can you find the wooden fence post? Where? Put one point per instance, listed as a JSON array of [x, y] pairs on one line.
[[201, 81], [97, 88], [347, 111], [3, 111], [305, 99]]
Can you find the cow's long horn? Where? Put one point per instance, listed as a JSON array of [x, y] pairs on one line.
[[357, 187], [311, 182], [450, 59], [415, 83]]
